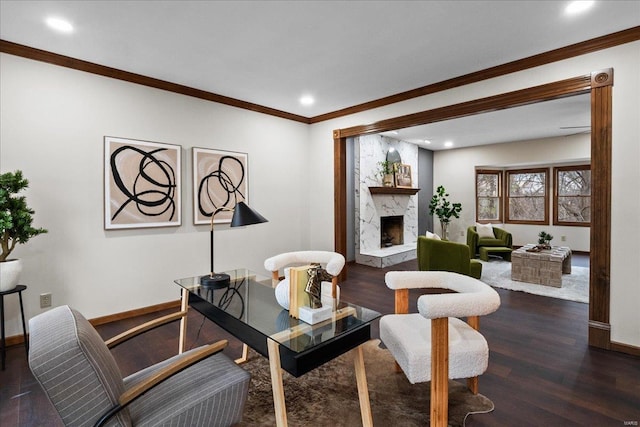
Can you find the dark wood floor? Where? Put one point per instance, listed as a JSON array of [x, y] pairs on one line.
[[541, 370]]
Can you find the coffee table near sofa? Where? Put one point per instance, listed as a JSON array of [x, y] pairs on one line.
[[249, 311], [544, 268]]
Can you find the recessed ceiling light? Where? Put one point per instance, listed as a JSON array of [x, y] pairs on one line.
[[59, 24], [307, 100], [578, 6], [426, 141], [448, 144]]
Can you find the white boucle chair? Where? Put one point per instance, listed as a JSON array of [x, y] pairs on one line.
[[333, 262], [452, 348]]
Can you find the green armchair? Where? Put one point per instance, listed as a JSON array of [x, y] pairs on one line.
[[502, 239], [443, 255]]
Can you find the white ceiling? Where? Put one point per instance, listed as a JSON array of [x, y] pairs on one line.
[[344, 53]]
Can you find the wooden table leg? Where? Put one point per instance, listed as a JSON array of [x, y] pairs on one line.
[[276, 383], [363, 389], [184, 306]]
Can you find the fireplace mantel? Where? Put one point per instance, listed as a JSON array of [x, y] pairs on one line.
[[394, 190]]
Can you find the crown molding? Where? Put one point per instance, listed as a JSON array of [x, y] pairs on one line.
[[588, 46], [101, 70]]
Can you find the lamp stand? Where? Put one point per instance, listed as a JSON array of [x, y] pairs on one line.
[[214, 280]]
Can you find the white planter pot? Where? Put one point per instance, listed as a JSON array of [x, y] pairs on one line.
[[9, 274]]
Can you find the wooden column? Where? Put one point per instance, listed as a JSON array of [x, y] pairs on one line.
[[600, 245]]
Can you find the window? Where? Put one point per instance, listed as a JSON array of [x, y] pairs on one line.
[[572, 196], [488, 196], [527, 196]]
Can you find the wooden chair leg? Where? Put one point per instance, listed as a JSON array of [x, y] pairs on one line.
[[472, 384], [439, 372]]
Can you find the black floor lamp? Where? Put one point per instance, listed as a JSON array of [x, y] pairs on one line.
[[242, 215]]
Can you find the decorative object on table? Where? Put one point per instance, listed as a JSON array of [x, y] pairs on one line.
[[15, 226], [444, 210], [242, 215], [305, 293], [141, 184], [403, 176], [544, 240], [386, 172], [282, 293], [314, 284], [220, 180], [333, 263]]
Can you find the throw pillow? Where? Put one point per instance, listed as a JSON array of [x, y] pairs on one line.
[[485, 231], [431, 235]]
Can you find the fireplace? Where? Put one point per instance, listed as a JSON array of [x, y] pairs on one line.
[[391, 230]]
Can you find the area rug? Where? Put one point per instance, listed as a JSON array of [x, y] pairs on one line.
[[328, 396], [575, 286]]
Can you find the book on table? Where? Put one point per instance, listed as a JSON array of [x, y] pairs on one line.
[[298, 278]]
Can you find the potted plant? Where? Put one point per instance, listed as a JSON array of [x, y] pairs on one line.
[[386, 171], [444, 209], [15, 226], [544, 240]]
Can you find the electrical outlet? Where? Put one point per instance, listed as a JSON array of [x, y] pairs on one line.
[[461, 233], [563, 238], [45, 300]]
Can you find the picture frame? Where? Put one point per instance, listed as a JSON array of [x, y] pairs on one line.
[[142, 184], [403, 176], [220, 180]]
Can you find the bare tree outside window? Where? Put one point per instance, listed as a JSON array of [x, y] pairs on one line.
[[573, 196], [488, 196], [527, 196]]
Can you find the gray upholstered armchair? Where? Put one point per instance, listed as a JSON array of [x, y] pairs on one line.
[[502, 238], [74, 366]]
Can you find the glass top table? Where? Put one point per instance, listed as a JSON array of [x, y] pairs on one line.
[[248, 309]]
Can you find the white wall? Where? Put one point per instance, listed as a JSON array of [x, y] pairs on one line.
[[53, 123], [625, 222], [455, 169]]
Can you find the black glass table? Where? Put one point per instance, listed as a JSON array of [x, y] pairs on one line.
[[248, 309]]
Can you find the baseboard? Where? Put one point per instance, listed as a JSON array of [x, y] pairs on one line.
[[625, 348], [134, 313], [18, 339]]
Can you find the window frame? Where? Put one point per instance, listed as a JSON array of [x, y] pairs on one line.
[[507, 196], [500, 197], [556, 196]]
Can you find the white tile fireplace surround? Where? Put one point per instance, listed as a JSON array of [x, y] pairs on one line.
[[370, 208]]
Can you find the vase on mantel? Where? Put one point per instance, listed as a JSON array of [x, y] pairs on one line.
[[387, 180], [444, 225]]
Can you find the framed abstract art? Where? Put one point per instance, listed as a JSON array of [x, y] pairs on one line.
[[219, 182], [141, 184]]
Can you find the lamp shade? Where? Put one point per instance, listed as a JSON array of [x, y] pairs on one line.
[[244, 215]]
